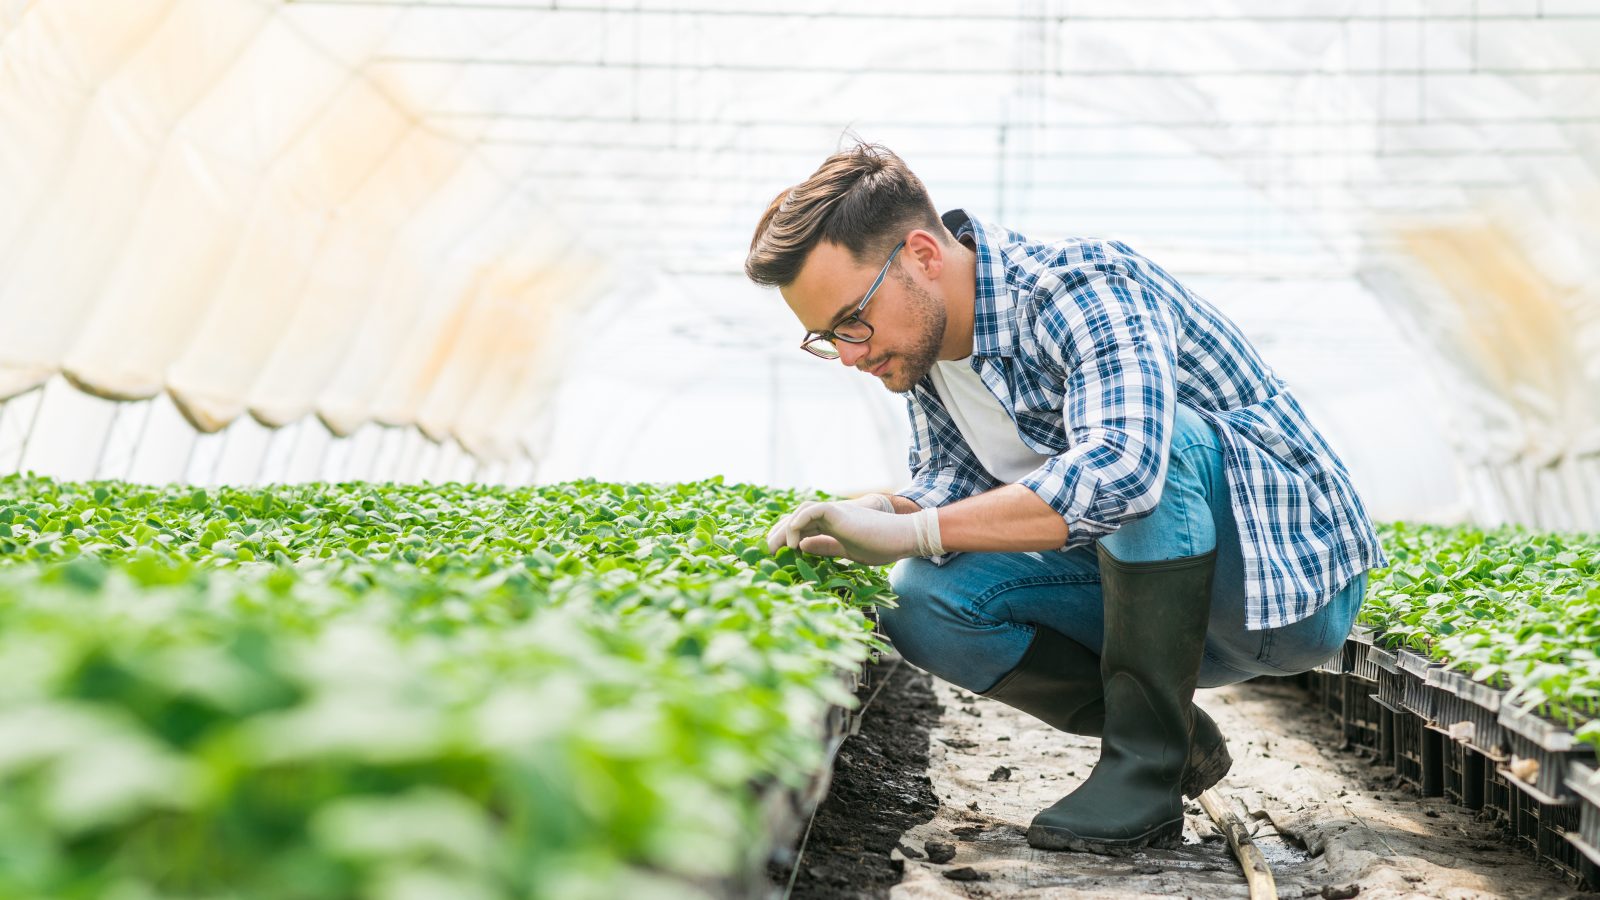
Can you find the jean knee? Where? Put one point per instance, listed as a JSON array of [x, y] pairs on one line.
[[912, 582], [906, 624], [935, 629], [1190, 429]]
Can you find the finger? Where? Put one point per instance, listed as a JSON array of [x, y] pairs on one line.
[[806, 522], [776, 537], [822, 545]]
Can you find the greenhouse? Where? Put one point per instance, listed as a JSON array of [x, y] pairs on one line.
[[648, 449]]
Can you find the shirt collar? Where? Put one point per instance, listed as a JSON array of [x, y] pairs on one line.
[[994, 309]]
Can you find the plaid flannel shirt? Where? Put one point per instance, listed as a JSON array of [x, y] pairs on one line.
[[1089, 346]]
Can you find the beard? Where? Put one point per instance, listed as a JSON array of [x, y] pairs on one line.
[[916, 361]]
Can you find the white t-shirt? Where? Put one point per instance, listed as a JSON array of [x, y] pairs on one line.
[[984, 423]]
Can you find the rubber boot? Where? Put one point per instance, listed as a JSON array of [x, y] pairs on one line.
[[1058, 682], [1155, 629]]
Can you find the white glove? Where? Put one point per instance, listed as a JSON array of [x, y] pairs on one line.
[[853, 530], [775, 538]]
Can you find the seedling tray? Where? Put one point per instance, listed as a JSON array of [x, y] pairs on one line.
[[1470, 712], [1389, 731], [1415, 694], [1391, 681], [1499, 797], [1419, 754], [1329, 691], [1463, 775], [1356, 647], [1363, 715], [1584, 780], [1550, 745], [1555, 824]]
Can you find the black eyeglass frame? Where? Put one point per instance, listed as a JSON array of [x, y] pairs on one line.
[[826, 338]]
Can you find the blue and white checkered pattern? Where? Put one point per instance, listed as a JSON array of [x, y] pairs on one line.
[[1090, 346]]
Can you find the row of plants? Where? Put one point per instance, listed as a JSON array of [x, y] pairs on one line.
[[1517, 610], [357, 690]]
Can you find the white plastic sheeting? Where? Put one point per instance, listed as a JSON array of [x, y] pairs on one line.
[[209, 199], [395, 217]]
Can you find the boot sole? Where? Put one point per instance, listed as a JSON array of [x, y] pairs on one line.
[[1211, 769], [1168, 836]]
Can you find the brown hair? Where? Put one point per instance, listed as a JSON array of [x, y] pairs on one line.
[[863, 199]]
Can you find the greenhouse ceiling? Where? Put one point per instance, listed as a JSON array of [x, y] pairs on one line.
[[397, 212]]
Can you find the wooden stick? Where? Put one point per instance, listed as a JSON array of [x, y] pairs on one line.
[[1256, 872]]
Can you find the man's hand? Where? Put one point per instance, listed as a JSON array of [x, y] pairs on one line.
[[777, 536], [853, 530]]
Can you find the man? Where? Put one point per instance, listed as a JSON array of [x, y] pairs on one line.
[[1114, 500]]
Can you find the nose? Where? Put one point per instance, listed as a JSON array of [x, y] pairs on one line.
[[850, 354]]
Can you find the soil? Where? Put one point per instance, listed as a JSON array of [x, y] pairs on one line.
[[880, 790], [932, 801], [1329, 822]]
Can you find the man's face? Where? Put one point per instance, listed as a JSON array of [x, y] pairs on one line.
[[908, 321]]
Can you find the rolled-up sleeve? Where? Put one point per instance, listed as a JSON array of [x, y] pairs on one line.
[[1113, 345]]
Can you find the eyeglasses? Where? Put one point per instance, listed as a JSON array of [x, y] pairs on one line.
[[852, 329]]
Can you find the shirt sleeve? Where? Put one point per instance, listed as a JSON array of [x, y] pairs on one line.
[[1109, 338]]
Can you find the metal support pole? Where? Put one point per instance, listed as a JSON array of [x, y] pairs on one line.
[[111, 432], [33, 423], [327, 448], [261, 467], [377, 451], [221, 451], [188, 460], [138, 441]]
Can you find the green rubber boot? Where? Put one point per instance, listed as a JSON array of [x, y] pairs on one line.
[[1155, 614], [1058, 682]]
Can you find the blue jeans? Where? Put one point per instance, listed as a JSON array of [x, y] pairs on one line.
[[970, 620]]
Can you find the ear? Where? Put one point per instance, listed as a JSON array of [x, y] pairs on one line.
[[924, 252]]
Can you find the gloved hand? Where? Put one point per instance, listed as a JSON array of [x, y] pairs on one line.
[[853, 530], [776, 537]]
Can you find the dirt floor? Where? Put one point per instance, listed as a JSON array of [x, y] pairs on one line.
[[880, 789], [1331, 823]]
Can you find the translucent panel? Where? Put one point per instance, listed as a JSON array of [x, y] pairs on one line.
[[196, 213], [257, 301], [64, 249], [409, 337], [341, 287]]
